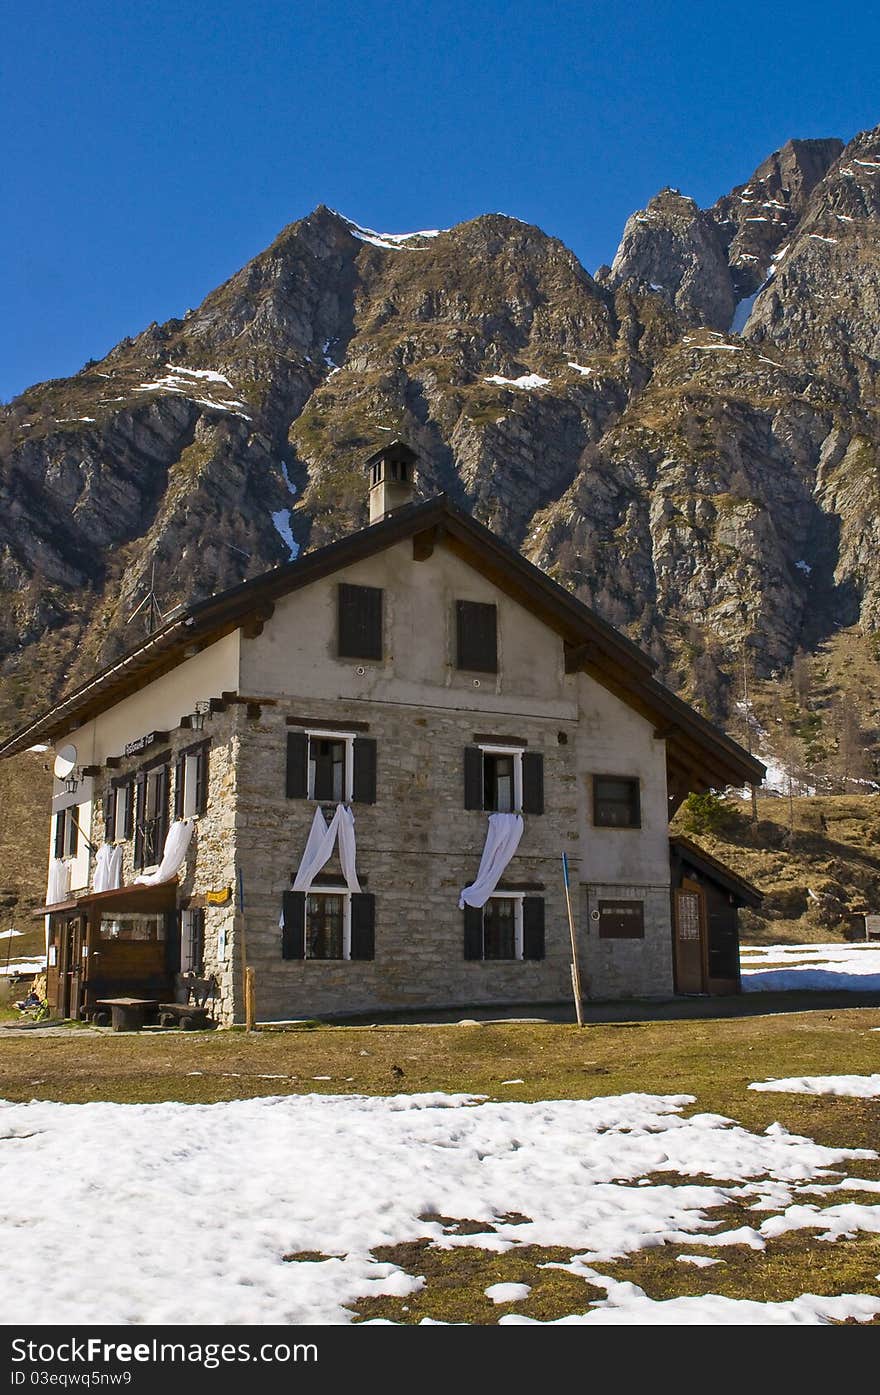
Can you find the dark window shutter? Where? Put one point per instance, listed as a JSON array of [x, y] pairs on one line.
[[473, 932], [360, 622], [297, 765], [172, 941], [473, 777], [59, 833], [293, 930], [364, 786], [198, 941], [477, 636], [140, 790], [129, 813], [202, 781], [72, 831], [363, 925], [179, 777], [533, 782], [109, 813], [533, 927], [162, 812]]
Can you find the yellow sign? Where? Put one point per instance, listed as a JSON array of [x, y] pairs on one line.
[[218, 898]]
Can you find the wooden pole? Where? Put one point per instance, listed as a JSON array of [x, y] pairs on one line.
[[575, 974], [250, 999]]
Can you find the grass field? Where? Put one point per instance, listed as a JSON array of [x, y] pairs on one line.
[[713, 1060]]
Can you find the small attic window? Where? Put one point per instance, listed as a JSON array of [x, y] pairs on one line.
[[377, 472]]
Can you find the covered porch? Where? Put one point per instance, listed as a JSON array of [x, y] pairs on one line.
[[110, 944]]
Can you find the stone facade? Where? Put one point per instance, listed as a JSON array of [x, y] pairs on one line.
[[417, 845]]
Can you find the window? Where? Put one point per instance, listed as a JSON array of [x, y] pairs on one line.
[[359, 633], [616, 802], [621, 920], [192, 941], [331, 767], [503, 779], [476, 636], [130, 926], [119, 811], [67, 832], [331, 923], [510, 926], [191, 782], [151, 814]]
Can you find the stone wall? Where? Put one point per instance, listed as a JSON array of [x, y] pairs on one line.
[[417, 847]]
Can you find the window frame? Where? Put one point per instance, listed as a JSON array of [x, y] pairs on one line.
[[123, 811], [348, 738], [331, 890], [192, 934], [634, 781], [66, 831], [159, 769], [517, 897], [493, 749]]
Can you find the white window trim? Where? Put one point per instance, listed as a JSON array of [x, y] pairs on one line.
[[190, 781], [491, 749], [517, 897], [344, 892], [348, 774], [123, 806]]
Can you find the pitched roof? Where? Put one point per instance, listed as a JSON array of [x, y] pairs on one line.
[[716, 871], [699, 754]]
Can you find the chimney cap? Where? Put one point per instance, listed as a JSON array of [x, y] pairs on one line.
[[394, 450]]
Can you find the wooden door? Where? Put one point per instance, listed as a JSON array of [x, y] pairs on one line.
[[690, 938], [77, 939], [62, 995]]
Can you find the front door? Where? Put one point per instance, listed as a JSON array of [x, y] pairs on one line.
[[690, 936], [76, 940]]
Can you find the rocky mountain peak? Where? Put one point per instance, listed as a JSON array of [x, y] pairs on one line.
[[673, 248]]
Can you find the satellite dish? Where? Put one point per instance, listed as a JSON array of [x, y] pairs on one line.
[[65, 761]]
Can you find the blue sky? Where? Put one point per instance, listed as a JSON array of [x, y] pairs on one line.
[[150, 150]]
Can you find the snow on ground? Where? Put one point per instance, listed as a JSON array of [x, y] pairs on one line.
[[579, 368], [853, 967], [281, 523], [508, 1293], [525, 383], [183, 381], [392, 242], [237, 1186], [741, 313], [29, 965], [857, 1087]]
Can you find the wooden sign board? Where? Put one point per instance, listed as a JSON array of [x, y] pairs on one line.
[[872, 927]]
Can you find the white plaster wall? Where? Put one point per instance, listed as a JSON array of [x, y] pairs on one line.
[[160, 705], [296, 653]]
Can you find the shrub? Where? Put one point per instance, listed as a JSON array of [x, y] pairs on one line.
[[706, 813]]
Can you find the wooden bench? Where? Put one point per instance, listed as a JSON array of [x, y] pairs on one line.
[[193, 1013], [125, 1014]]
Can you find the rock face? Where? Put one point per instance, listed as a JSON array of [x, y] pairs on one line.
[[674, 249], [689, 441]]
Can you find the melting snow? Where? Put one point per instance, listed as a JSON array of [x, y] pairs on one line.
[[579, 368], [526, 383], [859, 1087], [508, 1293], [817, 237], [741, 314], [141, 1180], [818, 968], [281, 521], [804, 567], [183, 380], [392, 242]]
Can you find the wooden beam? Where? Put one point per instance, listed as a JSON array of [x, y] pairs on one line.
[[423, 543], [253, 626], [322, 724]]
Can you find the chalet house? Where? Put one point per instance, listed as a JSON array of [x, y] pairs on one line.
[[357, 775]]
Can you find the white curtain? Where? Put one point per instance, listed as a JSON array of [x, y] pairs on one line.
[[173, 856], [108, 868], [502, 841], [59, 881], [319, 848]]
